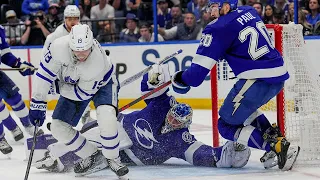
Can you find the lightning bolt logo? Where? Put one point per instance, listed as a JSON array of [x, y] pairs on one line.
[[236, 102], [145, 133], [240, 96]]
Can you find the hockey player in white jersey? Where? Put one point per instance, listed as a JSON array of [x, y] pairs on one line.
[[71, 17], [85, 73], [149, 136]]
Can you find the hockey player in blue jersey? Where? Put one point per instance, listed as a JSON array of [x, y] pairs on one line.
[[239, 35], [9, 92], [152, 135]]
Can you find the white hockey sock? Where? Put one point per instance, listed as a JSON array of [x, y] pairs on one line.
[[73, 140], [107, 121]]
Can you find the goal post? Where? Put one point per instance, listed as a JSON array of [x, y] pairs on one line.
[[296, 109]]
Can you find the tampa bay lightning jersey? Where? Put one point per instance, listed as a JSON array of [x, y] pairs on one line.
[[150, 147], [6, 57], [241, 38]]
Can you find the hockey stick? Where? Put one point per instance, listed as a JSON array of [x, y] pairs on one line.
[[141, 73], [14, 69], [130, 104], [31, 152]]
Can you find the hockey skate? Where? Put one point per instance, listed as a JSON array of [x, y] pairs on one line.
[[118, 168], [30, 130], [48, 163], [17, 133], [91, 164], [286, 154], [269, 160], [5, 148]]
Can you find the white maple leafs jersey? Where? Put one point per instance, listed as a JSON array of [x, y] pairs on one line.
[[59, 32], [77, 80]]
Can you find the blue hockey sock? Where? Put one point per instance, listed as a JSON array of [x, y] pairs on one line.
[[9, 123], [247, 135], [20, 109], [256, 141], [261, 123], [6, 118], [1, 131]]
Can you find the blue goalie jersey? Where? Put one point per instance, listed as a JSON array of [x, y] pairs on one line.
[[151, 147], [242, 39]]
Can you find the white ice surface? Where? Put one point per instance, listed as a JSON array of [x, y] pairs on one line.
[[14, 168]]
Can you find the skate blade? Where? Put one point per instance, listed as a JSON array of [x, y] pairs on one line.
[[294, 152], [90, 171]]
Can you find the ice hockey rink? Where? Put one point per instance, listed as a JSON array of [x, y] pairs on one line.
[[14, 168]]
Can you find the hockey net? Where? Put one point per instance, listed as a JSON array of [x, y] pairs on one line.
[[296, 109]]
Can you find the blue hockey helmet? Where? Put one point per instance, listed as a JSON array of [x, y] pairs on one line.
[[233, 3], [178, 117]]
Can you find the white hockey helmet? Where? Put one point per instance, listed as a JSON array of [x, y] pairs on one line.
[[71, 11], [80, 37]]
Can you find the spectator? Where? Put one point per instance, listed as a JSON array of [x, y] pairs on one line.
[[188, 30], [83, 18], [14, 28], [102, 11], [259, 8], [131, 33], [145, 12], [205, 19], [251, 2], [176, 15], [132, 6], [164, 13], [54, 19], [268, 14], [314, 15], [106, 33], [30, 7], [290, 16], [146, 33], [307, 27], [36, 31], [192, 5], [198, 8], [86, 5], [278, 16], [282, 5]]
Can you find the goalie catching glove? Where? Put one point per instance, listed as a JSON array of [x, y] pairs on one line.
[[158, 75]]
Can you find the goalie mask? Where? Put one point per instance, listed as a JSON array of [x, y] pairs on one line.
[[178, 117]]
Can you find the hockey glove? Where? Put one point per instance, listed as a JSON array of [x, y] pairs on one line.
[[177, 85], [27, 68], [158, 75], [37, 113]]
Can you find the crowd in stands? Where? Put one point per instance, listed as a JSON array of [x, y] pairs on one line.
[[29, 22]]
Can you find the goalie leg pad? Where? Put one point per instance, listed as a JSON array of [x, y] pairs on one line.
[[75, 142], [107, 121], [232, 156]]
